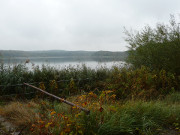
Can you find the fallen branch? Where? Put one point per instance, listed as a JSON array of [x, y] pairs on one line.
[[61, 99]]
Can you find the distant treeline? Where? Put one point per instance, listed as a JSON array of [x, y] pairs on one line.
[[64, 54]]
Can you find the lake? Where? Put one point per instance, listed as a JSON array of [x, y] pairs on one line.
[[62, 62]]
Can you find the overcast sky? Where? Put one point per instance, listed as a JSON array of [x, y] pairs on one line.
[[77, 24]]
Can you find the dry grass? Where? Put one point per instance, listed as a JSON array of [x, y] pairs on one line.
[[20, 114], [108, 116]]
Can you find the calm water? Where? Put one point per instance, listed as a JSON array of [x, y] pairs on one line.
[[62, 62]]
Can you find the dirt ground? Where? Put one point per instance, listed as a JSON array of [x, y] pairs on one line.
[[7, 128]]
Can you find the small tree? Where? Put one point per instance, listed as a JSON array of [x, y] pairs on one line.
[[157, 48]]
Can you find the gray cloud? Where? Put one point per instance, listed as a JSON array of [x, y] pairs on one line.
[[77, 24]]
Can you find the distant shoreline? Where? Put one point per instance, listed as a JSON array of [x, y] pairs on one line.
[[80, 55]]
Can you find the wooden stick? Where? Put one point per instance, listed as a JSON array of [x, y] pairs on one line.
[[61, 99]]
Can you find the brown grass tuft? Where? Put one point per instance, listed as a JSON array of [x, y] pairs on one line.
[[20, 114]]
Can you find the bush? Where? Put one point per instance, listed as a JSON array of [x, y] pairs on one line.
[[142, 83], [156, 48]]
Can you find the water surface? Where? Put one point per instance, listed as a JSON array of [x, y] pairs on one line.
[[62, 62]]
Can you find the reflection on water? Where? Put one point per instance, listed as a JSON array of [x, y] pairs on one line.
[[62, 62]]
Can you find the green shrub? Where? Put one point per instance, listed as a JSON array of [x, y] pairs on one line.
[[142, 83], [157, 48]]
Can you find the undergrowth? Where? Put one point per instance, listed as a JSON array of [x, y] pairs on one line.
[[128, 83], [120, 100], [107, 116]]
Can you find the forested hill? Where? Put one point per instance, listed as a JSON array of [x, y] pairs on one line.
[[50, 53], [62, 53]]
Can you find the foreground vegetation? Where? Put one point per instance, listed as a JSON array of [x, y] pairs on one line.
[[120, 100], [107, 116]]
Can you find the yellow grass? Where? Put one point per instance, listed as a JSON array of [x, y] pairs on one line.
[[20, 114]]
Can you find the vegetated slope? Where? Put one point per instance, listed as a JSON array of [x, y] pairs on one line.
[[110, 55], [62, 53], [50, 53]]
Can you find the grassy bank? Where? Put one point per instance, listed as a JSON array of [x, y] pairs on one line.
[[121, 100], [108, 116]]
